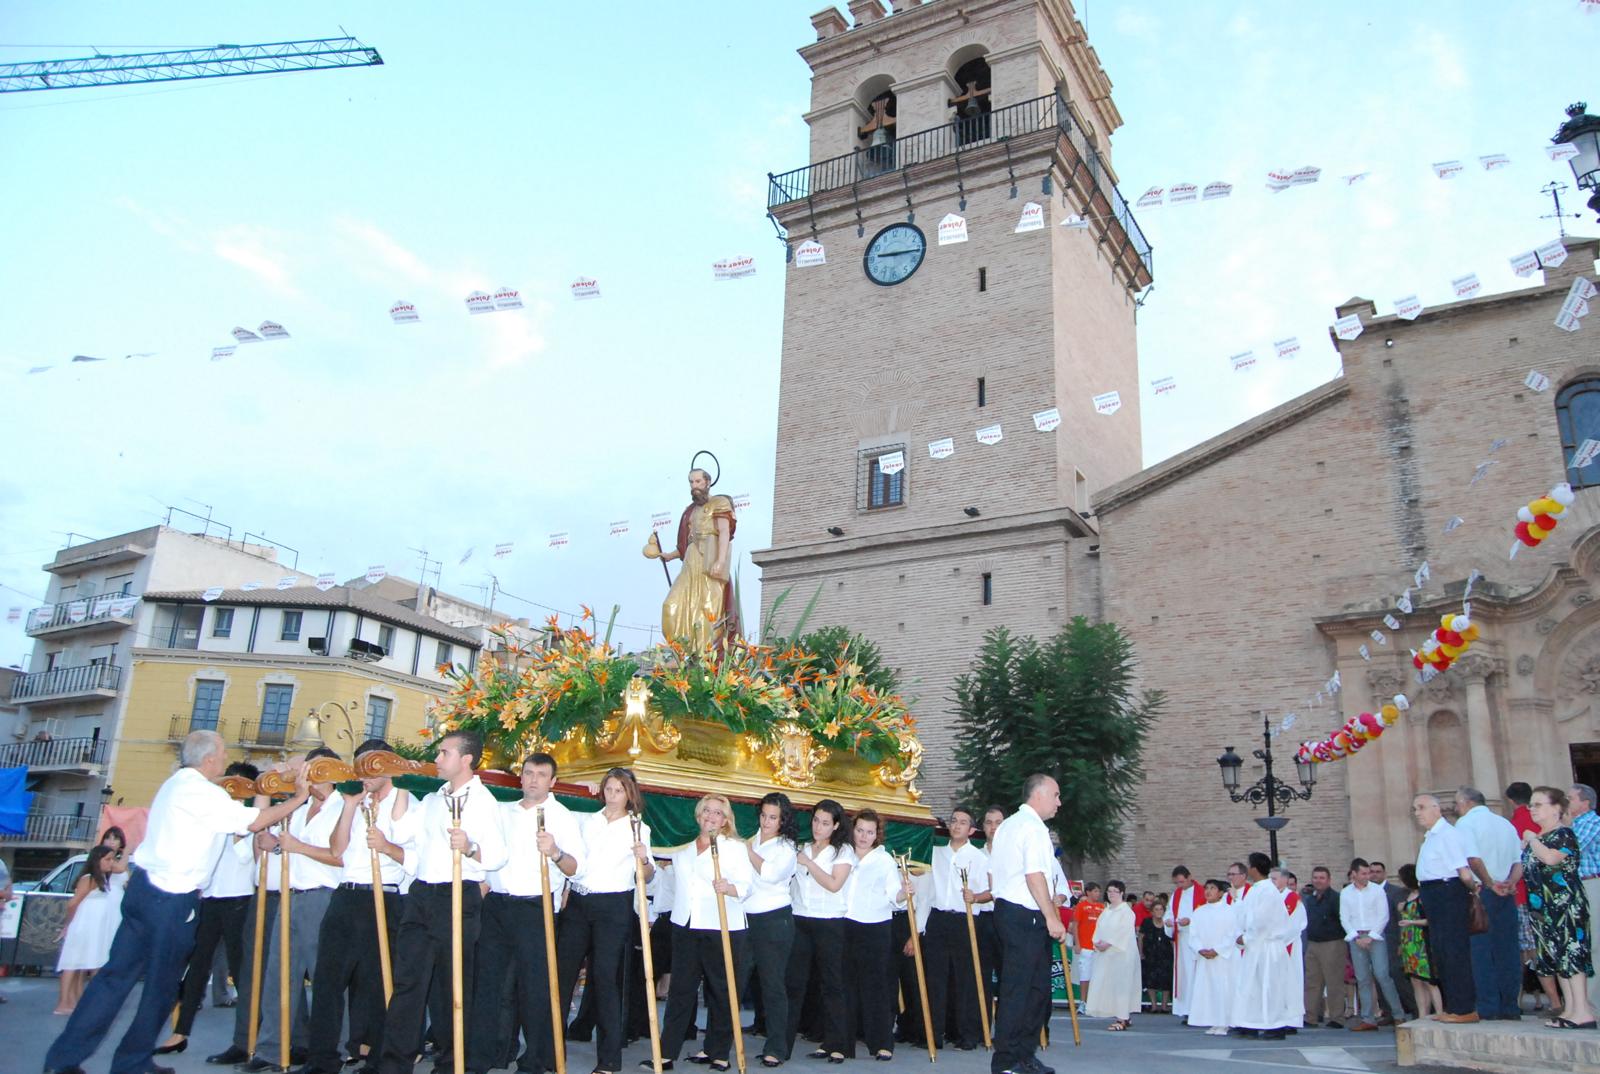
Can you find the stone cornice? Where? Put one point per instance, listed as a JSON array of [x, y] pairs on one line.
[[1219, 447], [1065, 523], [285, 662]]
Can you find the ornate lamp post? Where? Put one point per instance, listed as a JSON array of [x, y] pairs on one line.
[[1582, 132], [1269, 789]]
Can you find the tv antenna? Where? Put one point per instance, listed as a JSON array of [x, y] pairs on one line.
[[1555, 190]]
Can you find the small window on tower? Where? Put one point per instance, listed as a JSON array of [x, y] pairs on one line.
[[881, 478], [988, 588], [983, 393]]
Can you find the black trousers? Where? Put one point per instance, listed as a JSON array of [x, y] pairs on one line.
[[988, 955], [1024, 984], [947, 963], [771, 940], [220, 921], [908, 1027], [1445, 903], [870, 986], [818, 952], [511, 951], [422, 957], [269, 932], [697, 958], [597, 925], [348, 964]]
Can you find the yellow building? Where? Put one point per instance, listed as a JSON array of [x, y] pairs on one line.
[[252, 665]]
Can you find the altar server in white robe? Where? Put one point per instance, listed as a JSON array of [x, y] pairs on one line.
[[1115, 984], [1214, 930], [1295, 1002], [1265, 974]]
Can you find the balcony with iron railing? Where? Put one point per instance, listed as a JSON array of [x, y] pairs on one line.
[[66, 684], [55, 829], [88, 613], [256, 733], [993, 139], [183, 723], [81, 755]]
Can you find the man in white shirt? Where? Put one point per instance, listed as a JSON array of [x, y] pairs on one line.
[[511, 943], [313, 874], [960, 872], [1447, 882], [189, 821], [422, 943], [1364, 914], [1021, 859], [1494, 853], [347, 949]]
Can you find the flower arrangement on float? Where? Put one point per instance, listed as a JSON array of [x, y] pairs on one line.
[[575, 682]]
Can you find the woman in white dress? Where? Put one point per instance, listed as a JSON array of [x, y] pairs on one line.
[[1115, 978], [92, 919]]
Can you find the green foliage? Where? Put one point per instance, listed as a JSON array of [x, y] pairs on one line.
[[827, 645], [1066, 707]]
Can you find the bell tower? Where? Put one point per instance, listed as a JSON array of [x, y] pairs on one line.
[[906, 336]]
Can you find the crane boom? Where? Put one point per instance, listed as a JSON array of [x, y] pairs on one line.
[[221, 61]]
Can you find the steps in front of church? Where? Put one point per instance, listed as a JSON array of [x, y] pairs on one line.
[[1512, 1047]]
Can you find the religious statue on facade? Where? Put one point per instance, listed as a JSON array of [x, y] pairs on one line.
[[699, 610]]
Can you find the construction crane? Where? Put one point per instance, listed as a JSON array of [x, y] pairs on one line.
[[221, 61]]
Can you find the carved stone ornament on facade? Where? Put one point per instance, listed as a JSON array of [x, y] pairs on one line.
[[1580, 599], [1590, 676], [1525, 664], [1545, 625], [1439, 689], [1477, 666], [1385, 682]]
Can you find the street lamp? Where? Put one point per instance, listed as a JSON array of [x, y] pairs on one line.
[[1582, 132], [1268, 789], [310, 734]]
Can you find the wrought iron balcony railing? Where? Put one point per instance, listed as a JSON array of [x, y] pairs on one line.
[[107, 607], [182, 723], [56, 829], [256, 733], [79, 679], [54, 753], [1047, 113]]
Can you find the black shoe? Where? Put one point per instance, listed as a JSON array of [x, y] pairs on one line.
[[820, 1053], [1333, 1023], [1034, 1066], [1248, 1033], [256, 1066], [700, 1060], [154, 1068], [965, 1046], [227, 1003], [1290, 1030], [666, 1064], [63, 1070], [231, 1055], [1273, 1034], [169, 1049]]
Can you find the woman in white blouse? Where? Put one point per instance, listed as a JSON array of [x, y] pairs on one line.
[[599, 917], [697, 934], [871, 895], [822, 866], [770, 913]]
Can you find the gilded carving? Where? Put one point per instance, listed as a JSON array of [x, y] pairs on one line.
[[636, 726], [793, 755]]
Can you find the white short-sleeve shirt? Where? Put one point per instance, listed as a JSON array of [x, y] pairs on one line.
[[189, 821], [1021, 846]]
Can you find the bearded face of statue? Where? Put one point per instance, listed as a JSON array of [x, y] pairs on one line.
[[699, 486]]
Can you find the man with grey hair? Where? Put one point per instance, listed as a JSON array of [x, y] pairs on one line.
[[188, 823], [1586, 825], [1446, 882], [1495, 855]]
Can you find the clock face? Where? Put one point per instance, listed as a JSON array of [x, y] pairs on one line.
[[894, 254]]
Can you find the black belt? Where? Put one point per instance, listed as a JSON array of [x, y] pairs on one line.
[[1446, 880], [352, 886], [516, 898]]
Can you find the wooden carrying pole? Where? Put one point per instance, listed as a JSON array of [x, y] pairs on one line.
[[644, 946], [727, 961], [285, 1027], [977, 968], [558, 1021], [1072, 998], [916, 957], [457, 1030], [380, 910], [255, 960]]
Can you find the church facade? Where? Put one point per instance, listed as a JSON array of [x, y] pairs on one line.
[[1247, 569]]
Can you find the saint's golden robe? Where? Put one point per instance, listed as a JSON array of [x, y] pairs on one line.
[[697, 603]]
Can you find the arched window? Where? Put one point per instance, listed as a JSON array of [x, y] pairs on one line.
[[1578, 418], [972, 105], [878, 131]]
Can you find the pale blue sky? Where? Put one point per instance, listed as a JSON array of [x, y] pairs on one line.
[[530, 143]]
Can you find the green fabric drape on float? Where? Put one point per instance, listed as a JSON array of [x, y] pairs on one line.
[[671, 818]]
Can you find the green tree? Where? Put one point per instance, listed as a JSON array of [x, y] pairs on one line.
[[1067, 707]]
